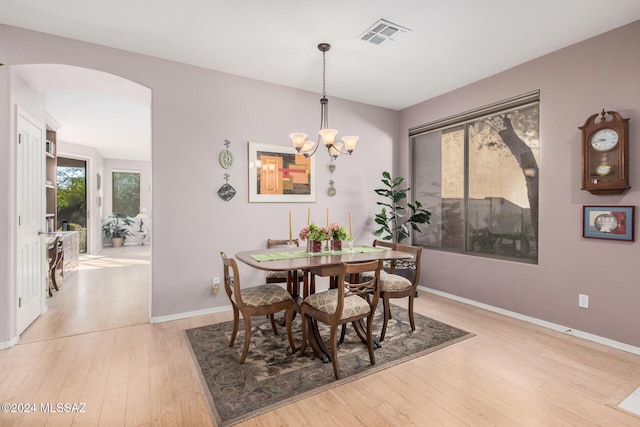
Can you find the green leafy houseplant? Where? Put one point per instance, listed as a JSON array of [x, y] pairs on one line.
[[115, 226], [392, 219]]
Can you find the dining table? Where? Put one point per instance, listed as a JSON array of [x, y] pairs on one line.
[[323, 264]]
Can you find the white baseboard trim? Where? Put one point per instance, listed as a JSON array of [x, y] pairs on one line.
[[8, 344], [188, 314], [549, 325]]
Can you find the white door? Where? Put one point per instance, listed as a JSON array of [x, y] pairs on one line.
[[30, 202]]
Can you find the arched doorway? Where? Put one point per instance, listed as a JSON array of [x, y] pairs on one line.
[[106, 121]]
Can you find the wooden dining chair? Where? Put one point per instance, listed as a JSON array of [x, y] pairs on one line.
[[255, 301], [354, 300], [282, 276], [393, 285], [55, 257]]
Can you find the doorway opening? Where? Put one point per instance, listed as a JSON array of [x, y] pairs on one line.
[[71, 180], [104, 124]]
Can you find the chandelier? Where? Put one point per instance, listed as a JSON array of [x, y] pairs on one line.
[[326, 136]]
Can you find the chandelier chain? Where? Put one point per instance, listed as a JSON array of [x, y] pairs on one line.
[[324, 92]]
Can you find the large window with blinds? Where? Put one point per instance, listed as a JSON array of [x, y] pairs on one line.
[[477, 173], [125, 197]]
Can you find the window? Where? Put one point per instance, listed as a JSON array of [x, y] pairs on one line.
[[126, 193], [477, 174]]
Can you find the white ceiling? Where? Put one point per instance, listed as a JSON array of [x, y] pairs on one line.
[[450, 43]]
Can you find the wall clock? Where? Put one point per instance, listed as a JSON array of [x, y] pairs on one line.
[[605, 150]]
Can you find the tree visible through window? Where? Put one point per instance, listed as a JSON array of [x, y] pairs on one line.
[[126, 193], [479, 179]]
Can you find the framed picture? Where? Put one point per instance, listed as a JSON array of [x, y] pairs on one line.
[[277, 173], [608, 222]]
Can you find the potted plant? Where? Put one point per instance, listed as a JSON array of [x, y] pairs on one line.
[[115, 228], [316, 236], [338, 234], [392, 219]]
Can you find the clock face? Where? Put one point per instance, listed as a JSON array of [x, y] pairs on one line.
[[604, 139]]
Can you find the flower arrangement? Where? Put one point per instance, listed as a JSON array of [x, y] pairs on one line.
[[313, 232], [338, 232]]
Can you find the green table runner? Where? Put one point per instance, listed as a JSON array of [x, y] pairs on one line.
[[277, 256]]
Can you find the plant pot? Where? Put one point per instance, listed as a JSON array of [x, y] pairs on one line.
[[116, 242], [315, 246], [336, 245]]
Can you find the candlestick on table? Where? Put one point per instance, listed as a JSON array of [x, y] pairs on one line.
[[308, 217], [290, 229], [350, 225], [327, 217]]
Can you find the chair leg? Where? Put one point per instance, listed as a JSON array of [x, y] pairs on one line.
[[273, 324], [413, 323], [290, 312], [334, 351], [247, 337], [387, 316], [343, 332], [372, 357], [53, 278], [305, 333], [236, 319]]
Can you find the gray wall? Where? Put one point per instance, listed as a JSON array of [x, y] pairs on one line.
[[574, 83], [193, 111]]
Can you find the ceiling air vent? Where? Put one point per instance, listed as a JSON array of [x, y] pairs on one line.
[[382, 32]]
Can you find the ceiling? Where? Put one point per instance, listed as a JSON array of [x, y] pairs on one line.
[[449, 44]]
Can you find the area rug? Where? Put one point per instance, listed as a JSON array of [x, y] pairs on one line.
[[273, 377]]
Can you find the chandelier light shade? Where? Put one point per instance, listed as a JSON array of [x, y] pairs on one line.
[[326, 136]]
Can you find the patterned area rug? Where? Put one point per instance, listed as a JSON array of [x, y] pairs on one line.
[[272, 377]]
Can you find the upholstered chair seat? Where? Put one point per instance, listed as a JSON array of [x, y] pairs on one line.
[[259, 296], [327, 302]]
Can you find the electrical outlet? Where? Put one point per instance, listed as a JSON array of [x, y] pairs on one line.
[[216, 285], [583, 301]]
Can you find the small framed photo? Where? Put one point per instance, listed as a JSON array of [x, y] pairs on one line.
[[608, 222]]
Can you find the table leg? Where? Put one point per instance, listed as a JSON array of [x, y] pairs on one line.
[[315, 341]]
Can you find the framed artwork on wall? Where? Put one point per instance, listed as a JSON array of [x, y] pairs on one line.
[[277, 173], [608, 222]]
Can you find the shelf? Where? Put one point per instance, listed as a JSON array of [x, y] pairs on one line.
[[50, 186], [50, 215]]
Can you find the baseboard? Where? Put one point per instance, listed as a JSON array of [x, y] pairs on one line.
[[549, 325], [8, 344], [188, 314]]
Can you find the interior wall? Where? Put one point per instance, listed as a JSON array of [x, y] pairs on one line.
[[7, 293], [18, 93], [574, 83], [193, 111]]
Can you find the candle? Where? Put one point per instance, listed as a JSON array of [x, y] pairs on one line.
[[350, 225], [308, 217], [290, 230], [327, 216]]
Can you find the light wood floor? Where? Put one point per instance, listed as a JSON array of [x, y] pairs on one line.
[[511, 374], [106, 291]]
